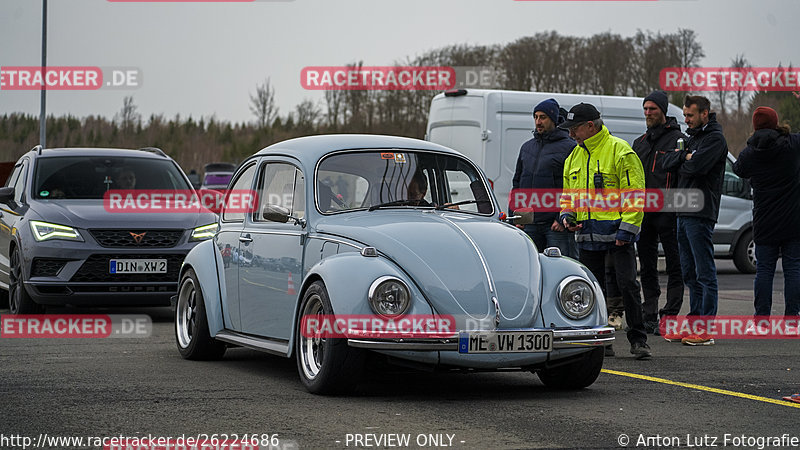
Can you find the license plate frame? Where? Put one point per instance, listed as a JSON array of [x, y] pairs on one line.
[[506, 341], [126, 266]]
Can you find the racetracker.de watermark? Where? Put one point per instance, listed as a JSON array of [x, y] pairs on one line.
[[733, 327], [76, 326], [716, 79], [185, 200], [69, 78], [378, 78], [374, 326], [619, 200]]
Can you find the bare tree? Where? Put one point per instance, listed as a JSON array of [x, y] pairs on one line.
[[741, 96], [334, 101], [127, 117], [262, 105], [690, 51], [308, 114]]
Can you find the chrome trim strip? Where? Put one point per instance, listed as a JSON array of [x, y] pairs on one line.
[[569, 338], [287, 233], [403, 344], [486, 271], [338, 241], [266, 345]]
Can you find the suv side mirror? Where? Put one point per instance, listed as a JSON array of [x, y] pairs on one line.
[[6, 194]]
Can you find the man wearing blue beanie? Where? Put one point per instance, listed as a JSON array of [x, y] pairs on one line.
[[540, 165]]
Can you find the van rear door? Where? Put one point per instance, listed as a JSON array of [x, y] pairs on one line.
[[458, 123]]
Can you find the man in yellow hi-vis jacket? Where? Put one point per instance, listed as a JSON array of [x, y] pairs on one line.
[[603, 201]]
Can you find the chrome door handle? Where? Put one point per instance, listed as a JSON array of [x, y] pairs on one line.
[[245, 238]]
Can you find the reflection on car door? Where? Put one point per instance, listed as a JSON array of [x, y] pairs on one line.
[[10, 215], [268, 285], [227, 240]]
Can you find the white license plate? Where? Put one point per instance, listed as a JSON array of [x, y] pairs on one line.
[[137, 266], [505, 341]]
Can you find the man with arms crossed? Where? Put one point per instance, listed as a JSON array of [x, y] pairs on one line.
[[701, 165]]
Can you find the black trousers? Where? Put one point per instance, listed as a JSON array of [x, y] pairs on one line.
[[660, 227], [624, 260]]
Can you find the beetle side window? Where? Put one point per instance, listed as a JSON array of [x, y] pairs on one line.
[[281, 186], [245, 180]]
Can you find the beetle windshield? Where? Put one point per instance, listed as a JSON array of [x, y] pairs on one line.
[[400, 179]]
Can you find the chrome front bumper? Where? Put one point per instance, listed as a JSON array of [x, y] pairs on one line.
[[563, 338]]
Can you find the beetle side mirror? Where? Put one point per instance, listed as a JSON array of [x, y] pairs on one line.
[[275, 213], [6, 194]]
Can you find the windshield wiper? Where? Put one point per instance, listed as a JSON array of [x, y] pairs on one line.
[[448, 205], [422, 203]]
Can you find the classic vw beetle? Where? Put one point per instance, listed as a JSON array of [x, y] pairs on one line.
[[363, 243]]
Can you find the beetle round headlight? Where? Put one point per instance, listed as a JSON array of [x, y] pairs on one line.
[[576, 297], [388, 296]]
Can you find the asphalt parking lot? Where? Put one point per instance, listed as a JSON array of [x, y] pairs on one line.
[[722, 396]]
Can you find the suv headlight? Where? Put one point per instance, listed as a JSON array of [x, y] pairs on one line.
[[43, 231], [389, 297], [576, 297], [204, 232]]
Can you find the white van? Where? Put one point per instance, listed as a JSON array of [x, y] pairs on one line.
[[490, 126]]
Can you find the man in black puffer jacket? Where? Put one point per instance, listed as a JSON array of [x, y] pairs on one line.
[[772, 163], [700, 166], [661, 137], [540, 165]]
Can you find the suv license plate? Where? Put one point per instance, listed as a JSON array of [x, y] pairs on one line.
[[505, 341], [137, 266]]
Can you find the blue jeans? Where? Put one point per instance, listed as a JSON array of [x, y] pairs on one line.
[[544, 237], [766, 258], [699, 272]]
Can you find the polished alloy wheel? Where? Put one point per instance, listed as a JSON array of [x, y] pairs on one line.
[[312, 349], [186, 312]]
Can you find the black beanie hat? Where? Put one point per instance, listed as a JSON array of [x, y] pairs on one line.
[[660, 99]]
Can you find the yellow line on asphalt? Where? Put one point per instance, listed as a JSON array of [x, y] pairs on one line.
[[703, 388]]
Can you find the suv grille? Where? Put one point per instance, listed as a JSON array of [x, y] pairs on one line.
[[95, 269], [46, 267], [127, 238]]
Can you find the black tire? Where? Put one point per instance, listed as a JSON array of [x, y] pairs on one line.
[[191, 324], [575, 375], [325, 365], [744, 255], [19, 301]]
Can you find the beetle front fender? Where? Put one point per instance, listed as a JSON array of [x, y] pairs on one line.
[[206, 262], [554, 270], [348, 276]]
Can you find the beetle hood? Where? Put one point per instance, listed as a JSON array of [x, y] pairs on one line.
[[460, 262]]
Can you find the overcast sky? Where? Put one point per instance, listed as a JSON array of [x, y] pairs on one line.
[[204, 59]]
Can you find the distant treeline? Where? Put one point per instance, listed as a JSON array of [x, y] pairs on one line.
[[605, 64]]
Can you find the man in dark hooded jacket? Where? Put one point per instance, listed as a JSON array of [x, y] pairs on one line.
[[701, 165], [772, 163], [661, 137], [540, 165]]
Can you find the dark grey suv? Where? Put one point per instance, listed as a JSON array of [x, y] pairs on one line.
[[61, 243]]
